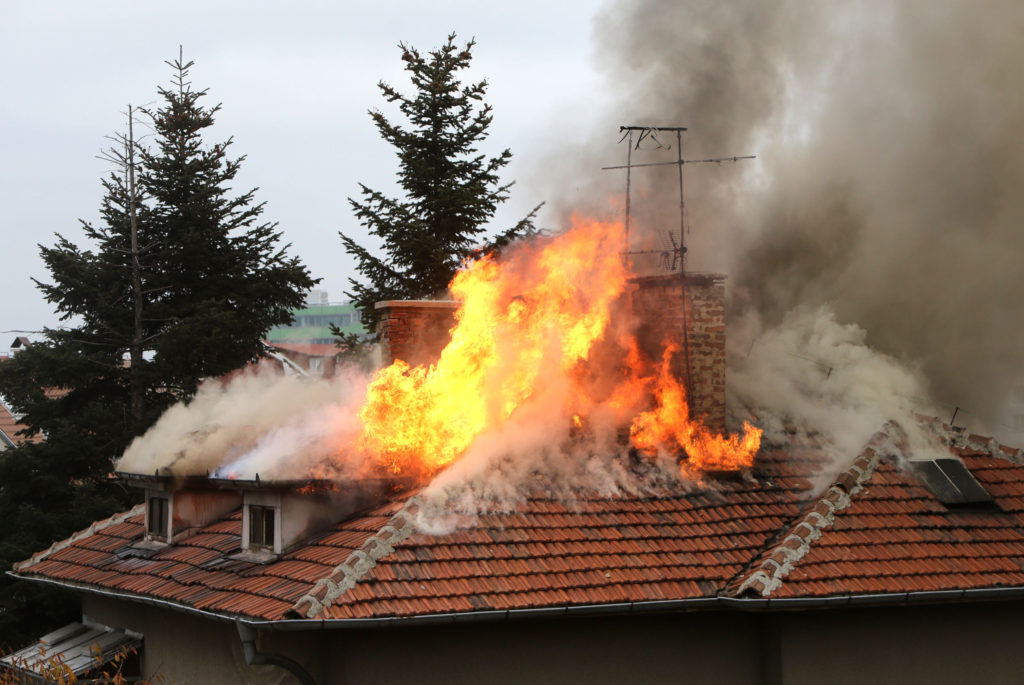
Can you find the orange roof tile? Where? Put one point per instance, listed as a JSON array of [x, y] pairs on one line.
[[877, 529], [11, 429]]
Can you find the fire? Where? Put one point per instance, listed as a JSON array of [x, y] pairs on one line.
[[668, 427], [525, 320]]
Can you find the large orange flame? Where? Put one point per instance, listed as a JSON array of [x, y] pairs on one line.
[[532, 316]]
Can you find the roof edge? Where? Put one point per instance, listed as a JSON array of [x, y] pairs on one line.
[[720, 602], [91, 530]]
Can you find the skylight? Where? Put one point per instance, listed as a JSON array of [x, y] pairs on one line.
[[951, 482]]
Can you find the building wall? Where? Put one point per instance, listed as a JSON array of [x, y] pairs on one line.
[[312, 324], [970, 643], [183, 648], [967, 643]]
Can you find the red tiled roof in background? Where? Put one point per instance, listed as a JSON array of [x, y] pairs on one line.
[[11, 427], [876, 530]]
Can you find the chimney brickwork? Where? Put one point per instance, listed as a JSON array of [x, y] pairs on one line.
[[658, 306], [415, 331]]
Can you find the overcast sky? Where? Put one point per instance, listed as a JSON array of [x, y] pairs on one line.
[[295, 82]]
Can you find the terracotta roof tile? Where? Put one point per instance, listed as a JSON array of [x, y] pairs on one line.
[[12, 429], [876, 529]]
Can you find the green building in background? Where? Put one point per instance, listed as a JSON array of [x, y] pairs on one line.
[[311, 325]]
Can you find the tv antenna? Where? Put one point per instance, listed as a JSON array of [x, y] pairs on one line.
[[676, 255]]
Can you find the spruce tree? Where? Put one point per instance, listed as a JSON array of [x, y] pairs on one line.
[[213, 280], [451, 190], [220, 278], [74, 390]]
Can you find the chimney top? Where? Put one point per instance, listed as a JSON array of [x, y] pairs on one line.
[[415, 331]]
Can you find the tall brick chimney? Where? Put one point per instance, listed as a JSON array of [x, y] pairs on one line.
[[415, 331], [697, 325]]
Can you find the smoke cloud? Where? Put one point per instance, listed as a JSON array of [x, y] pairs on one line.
[[267, 423], [885, 192]]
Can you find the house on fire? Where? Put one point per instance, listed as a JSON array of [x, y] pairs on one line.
[[901, 570]]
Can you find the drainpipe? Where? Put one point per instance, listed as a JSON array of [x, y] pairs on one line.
[[254, 657]]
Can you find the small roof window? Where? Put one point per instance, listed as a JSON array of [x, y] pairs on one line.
[[158, 516], [262, 521], [261, 526], [952, 483]]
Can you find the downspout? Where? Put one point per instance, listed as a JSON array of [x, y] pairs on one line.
[[254, 657]]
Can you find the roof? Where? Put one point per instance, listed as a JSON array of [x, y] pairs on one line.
[[77, 647], [876, 529], [10, 429]]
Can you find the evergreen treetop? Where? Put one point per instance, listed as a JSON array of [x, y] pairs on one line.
[[451, 190], [222, 278]]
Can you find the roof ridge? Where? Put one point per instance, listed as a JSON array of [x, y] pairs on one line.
[[358, 564], [778, 560], [95, 527], [961, 439]]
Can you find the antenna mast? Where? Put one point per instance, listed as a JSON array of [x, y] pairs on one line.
[[651, 132], [678, 251]]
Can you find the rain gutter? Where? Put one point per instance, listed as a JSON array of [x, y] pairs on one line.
[[658, 606]]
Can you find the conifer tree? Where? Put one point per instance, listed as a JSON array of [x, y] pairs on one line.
[[213, 279], [220, 278], [451, 190]]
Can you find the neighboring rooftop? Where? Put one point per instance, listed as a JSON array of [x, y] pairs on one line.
[[876, 531], [11, 427]]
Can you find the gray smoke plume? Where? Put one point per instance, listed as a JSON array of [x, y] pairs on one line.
[[889, 139]]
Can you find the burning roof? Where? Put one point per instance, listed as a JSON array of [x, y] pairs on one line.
[[877, 530], [564, 449], [549, 329]]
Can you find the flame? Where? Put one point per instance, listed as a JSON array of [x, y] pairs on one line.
[[534, 316], [668, 427], [539, 311]]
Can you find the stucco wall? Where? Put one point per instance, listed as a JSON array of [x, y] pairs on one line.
[[971, 643], [183, 648], [974, 643]]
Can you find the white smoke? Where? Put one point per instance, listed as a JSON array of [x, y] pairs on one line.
[[279, 426], [811, 377]]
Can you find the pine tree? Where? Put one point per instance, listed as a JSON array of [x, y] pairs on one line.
[[451, 191], [75, 389], [213, 280], [220, 278]]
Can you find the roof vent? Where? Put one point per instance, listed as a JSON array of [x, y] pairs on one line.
[[950, 481]]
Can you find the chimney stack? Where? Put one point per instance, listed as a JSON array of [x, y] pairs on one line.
[[415, 331], [696, 324]]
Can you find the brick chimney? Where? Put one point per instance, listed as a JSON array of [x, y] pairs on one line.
[[697, 325], [415, 331]]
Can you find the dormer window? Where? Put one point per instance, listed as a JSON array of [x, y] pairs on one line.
[[261, 527], [158, 516], [261, 523]]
